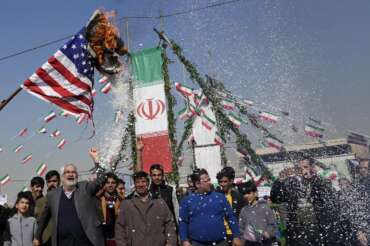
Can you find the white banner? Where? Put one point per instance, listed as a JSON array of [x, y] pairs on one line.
[[150, 109]]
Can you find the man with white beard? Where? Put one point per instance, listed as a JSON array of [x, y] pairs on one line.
[[71, 207]]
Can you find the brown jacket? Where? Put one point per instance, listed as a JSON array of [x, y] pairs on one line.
[[155, 227], [39, 208]]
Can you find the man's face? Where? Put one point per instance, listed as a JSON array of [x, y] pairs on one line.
[[53, 182], [250, 197], [225, 183], [37, 190], [363, 168], [156, 176], [69, 177], [121, 190], [23, 205], [110, 185], [141, 186], [305, 168], [205, 183]]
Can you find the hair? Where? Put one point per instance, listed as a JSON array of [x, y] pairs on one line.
[[24, 195], [51, 174], [308, 158], [227, 172], [247, 187], [120, 181], [139, 175], [156, 166], [111, 175], [195, 177], [37, 181], [67, 165]]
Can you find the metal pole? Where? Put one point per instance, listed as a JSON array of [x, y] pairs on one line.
[[3, 103]]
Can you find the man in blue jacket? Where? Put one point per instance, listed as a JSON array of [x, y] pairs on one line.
[[202, 215]]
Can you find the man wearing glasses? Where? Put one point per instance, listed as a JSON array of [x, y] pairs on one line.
[[202, 215]]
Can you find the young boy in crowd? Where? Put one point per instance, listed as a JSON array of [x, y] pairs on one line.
[[256, 220], [21, 228]]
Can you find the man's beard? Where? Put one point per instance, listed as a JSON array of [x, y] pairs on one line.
[[70, 183]]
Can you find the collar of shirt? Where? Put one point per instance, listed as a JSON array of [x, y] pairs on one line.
[[69, 193]]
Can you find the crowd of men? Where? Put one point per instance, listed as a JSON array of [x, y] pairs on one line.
[[302, 209]]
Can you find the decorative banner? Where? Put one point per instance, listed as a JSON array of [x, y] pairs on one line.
[[103, 80], [64, 113], [26, 159], [313, 131], [81, 118], [237, 121], [18, 148], [93, 92], [219, 140], [273, 142], [184, 90], [228, 104], [106, 88], [22, 132], [55, 134], [41, 169], [42, 130], [355, 138], [5, 179], [24, 189], [269, 117], [150, 108], [61, 143], [50, 116]]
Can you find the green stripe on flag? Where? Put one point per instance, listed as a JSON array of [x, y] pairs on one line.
[[141, 60]]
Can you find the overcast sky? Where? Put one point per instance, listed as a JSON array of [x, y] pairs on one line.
[[311, 58]]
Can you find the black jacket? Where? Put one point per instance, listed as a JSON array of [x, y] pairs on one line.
[[237, 201], [325, 207]]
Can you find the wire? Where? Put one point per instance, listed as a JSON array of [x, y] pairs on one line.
[[122, 18]]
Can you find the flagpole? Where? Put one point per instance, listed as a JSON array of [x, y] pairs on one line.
[[3, 103]]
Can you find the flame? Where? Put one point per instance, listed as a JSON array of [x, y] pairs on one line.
[[105, 35]]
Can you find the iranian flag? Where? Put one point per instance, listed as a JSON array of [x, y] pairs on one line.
[[41, 169], [183, 114], [103, 80], [151, 124], [22, 132], [184, 90], [329, 174], [42, 130], [235, 119], [269, 117], [55, 134], [93, 92], [50, 116], [207, 122], [273, 143], [313, 131], [64, 113], [81, 118], [228, 104], [26, 159], [5, 179], [18, 148], [24, 189], [219, 140], [61, 143], [106, 88]]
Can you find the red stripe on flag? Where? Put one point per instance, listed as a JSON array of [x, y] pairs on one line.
[[67, 74], [54, 85], [57, 101], [157, 150]]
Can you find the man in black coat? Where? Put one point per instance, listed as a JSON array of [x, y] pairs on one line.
[[159, 189], [312, 207]]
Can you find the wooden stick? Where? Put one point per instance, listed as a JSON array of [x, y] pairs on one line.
[[3, 103]]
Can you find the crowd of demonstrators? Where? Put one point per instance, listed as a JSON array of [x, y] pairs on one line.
[[302, 206]]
